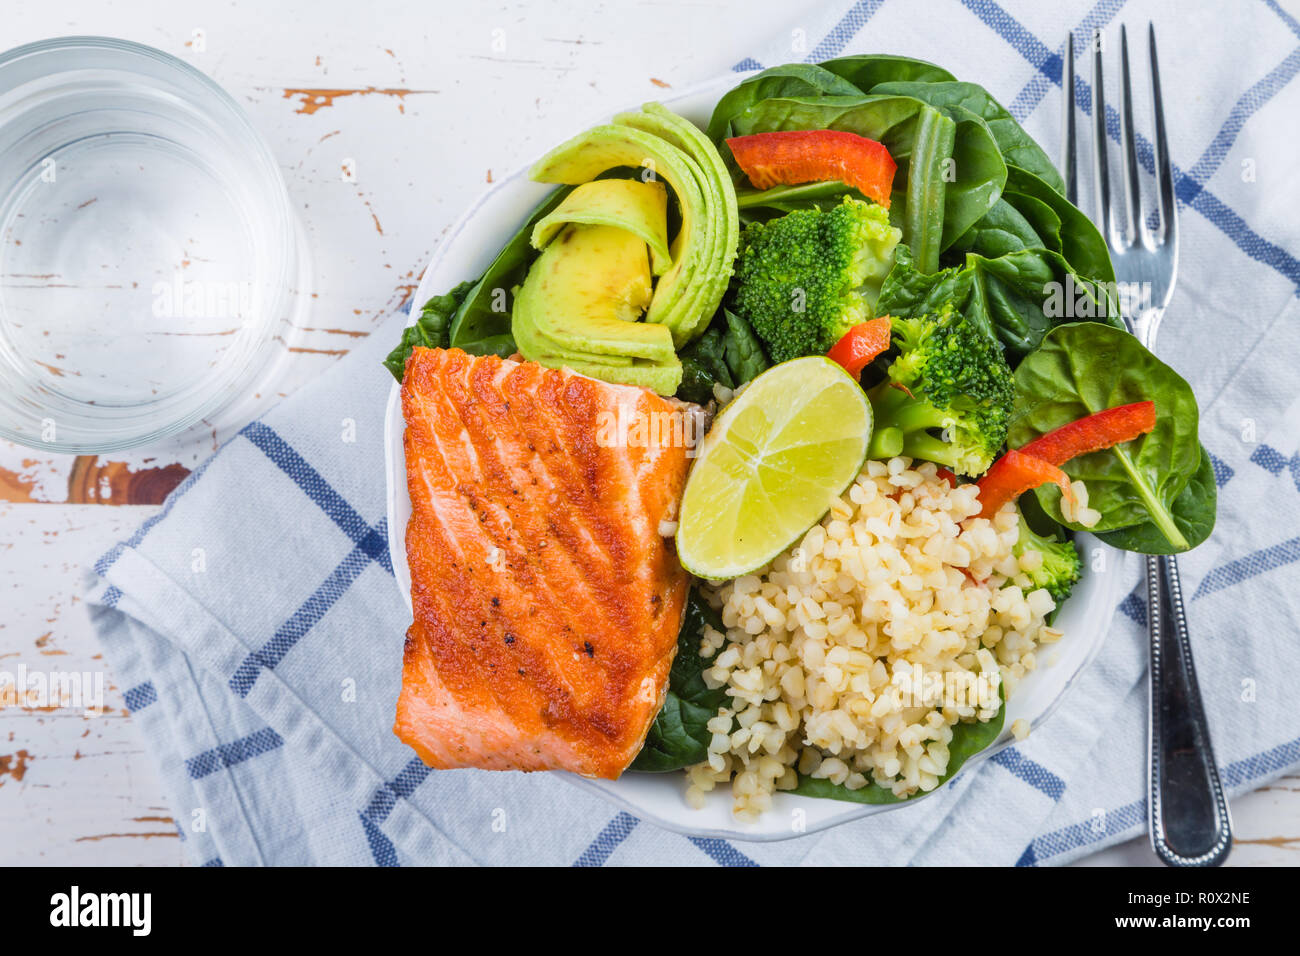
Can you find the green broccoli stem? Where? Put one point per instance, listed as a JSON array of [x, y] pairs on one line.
[[900, 427], [925, 447], [885, 443]]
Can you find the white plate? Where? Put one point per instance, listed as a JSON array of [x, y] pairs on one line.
[[465, 252]]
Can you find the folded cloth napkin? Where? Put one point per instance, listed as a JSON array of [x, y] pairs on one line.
[[257, 627]]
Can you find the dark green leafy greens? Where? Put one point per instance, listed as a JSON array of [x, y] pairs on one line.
[[1193, 510], [1016, 146], [743, 351], [1084, 367], [949, 169], [792, 79], [704, 365], [1060, 225], [727, 354], [679, 738], [1004, 295], [974, 193], [1027, 292], [432, 329], [1004, 229], [866, 71]]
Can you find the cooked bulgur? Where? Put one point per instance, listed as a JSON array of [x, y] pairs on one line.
[[822, 647]]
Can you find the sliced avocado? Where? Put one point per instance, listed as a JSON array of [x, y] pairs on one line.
[[536, 346], [586, 292], [639, 207], [579, 305], [720, 197], [663, 379], [589, 154]]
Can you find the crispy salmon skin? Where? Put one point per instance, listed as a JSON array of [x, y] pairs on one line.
[[546, 598]]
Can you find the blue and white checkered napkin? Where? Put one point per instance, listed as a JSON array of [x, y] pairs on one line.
[[257, 626]]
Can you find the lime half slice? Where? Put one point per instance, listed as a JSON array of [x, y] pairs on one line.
[[770, 467]]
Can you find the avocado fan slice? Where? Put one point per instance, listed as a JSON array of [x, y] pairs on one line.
[[639, 207], [589, 154], [586, 291], [579, 304], [719, 192]]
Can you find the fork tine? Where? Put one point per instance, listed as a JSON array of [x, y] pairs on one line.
[[1164, 169], [1069, 160], [1100, 165], [1132, 195]]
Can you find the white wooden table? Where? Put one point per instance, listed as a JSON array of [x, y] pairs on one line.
[[425, 103]]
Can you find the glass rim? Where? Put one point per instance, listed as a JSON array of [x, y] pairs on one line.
[[109, 429]]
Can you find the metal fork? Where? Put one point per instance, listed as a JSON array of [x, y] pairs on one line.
[[1186, 809]]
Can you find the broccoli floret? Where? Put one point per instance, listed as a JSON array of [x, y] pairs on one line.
[[948, 395], [806, 278], [1060, 568]]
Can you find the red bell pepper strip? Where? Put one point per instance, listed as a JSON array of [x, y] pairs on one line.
[[859, 346], [1093, 433], [1012, 475], [791, 157]]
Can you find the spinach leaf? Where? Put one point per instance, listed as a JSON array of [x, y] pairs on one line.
[[1003, 229], [1193, 511], [866, 71], [1085, 367], [1027, 292], [1037, 261], [1017, 147], [981, 174], [792, 79], [678, 737], [887, 119], [481, 325], [1010, 296], [968, 739], [908, 292], [1079, 241], [1038, 217], [430, 329]]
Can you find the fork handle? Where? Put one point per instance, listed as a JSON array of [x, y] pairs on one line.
[[1186, 807]]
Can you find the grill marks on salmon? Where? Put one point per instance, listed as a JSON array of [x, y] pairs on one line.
[[546, 600]]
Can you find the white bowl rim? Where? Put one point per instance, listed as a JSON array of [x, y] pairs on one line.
[[1109, 585]]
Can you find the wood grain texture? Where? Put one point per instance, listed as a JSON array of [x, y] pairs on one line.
[[386, 125], [115, 483], [74, 789]]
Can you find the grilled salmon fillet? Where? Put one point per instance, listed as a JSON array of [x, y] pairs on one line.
[[546, 599]]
